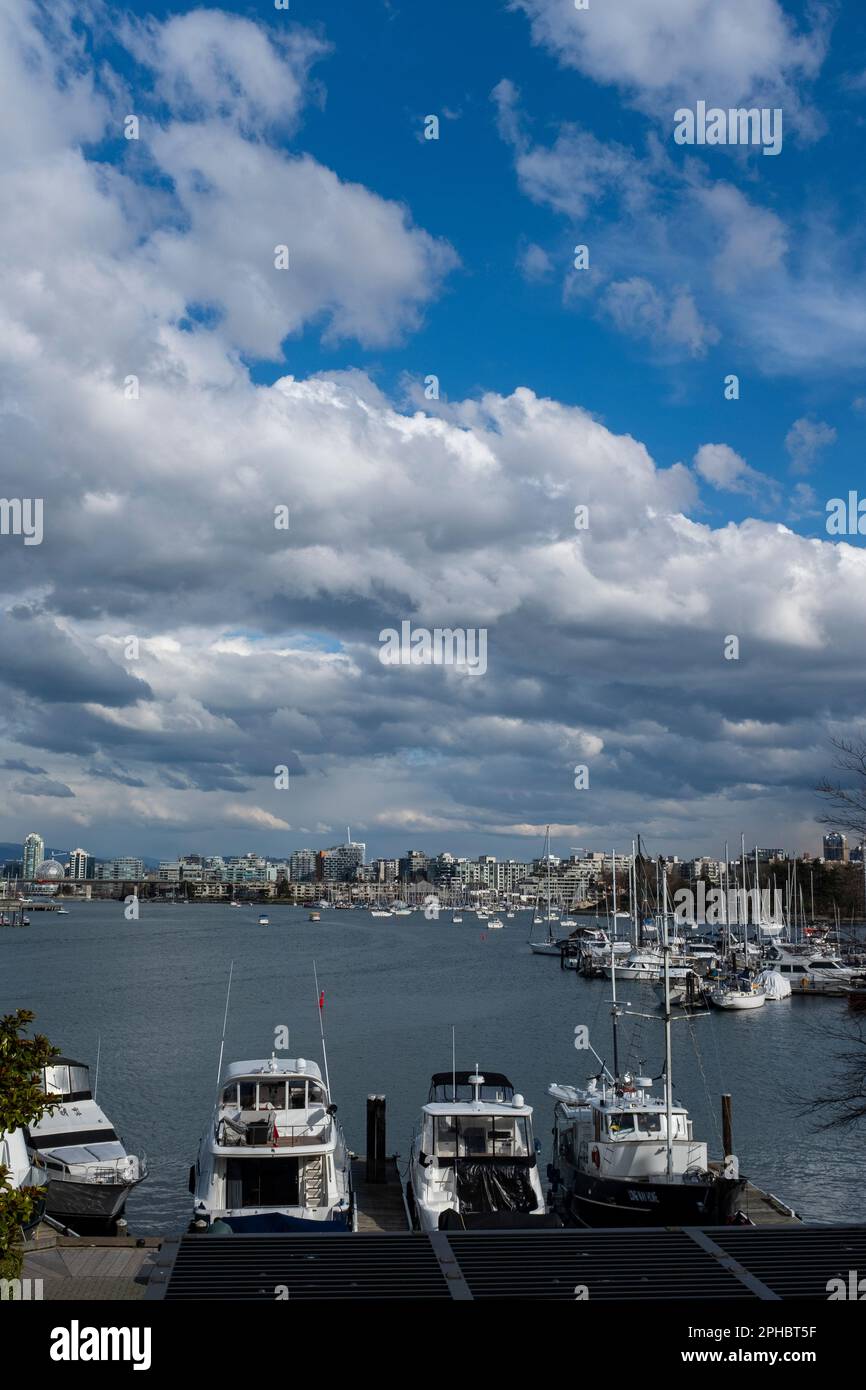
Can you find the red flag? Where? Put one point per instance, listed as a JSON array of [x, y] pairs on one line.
[[275, 1136], [322, 1000]]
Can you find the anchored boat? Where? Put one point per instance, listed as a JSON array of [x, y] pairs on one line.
[[24, 1171], [624, 1156], [90, 1174], [274, 1157], [473, 1161]]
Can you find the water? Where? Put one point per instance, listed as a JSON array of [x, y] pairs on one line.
[[155, 991]]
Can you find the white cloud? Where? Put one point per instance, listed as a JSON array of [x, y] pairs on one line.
[[724, 469], [725, 53], [209, 63], [806, 440]]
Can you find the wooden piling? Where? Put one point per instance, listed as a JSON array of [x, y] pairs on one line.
[[375, 1139]]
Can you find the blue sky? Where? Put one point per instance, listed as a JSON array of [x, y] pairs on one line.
[[390, 64], [411, 257]]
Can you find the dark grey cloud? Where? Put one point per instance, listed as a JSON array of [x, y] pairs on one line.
[[33, 786]]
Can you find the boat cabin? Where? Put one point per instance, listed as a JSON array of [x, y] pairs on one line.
[[476, 1117], [64, 1079], [282, 1103]]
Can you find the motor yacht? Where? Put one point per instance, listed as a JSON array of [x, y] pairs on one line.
[[473, 1160], [89, 1172], [273, 1158]]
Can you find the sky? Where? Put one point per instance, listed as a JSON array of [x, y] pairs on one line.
[[247, 471]]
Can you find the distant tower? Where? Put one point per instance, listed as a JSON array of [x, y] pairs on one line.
[[32, 856], [836, 847]]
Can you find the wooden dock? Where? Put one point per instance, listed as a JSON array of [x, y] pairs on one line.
[[81, 1267], [380, 1206]]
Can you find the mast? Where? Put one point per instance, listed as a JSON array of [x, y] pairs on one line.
[[614, 1013], [549, 929], [320, 1011], [225, 1021], [613, 890], [632, 878], [669, 1090], [745, 898]]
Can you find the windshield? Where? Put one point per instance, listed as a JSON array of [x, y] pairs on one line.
[[481, 1136]]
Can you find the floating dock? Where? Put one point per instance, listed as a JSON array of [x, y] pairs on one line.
[[723, 1263]]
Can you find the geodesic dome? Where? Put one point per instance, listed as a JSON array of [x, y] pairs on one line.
[[50, 871]]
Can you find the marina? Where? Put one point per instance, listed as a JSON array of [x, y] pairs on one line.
[[386, 995]]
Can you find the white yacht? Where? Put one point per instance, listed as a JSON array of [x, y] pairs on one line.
[[735, 992], [274, 1158], [809, 970], [90, 1174], [473, 1160], [641, 963], [24, 1171], [264, 920]]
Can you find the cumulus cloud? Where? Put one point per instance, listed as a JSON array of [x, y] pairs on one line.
[[725, 470], [259, 646], [680, 51]]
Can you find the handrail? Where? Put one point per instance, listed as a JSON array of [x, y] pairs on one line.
[[132, 1168]]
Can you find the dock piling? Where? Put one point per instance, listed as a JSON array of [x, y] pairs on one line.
[[376, 1139]]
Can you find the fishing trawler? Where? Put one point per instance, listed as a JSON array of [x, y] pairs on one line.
[[274, 1158], [623, 1156], [89, 1172], [473, 1160]]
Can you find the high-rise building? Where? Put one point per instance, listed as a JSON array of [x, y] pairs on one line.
[[338, 864], [835, 847], [302, 865], [413, 865], [80, 864], [32, 856]]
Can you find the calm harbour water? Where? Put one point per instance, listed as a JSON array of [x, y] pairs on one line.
[[155, 992]]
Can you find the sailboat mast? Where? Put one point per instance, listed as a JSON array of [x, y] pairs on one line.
[[669, 1089], [614, 1014]]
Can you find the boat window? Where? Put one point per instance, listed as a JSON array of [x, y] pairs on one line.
[[649, 1123], [79, 1081], [621, 1125], [56, 1081], [481, 1136], [230, 1094], [297, 1095], [316, 1093], [247, 1091], [272, 1095]]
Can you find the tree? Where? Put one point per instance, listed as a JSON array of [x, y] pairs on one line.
[[848, 804], [847, 1106], [21, 1103]]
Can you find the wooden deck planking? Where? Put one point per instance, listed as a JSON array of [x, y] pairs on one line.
[[379, 1205]]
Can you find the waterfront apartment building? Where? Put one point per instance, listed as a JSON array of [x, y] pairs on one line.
[[413, 865], [32, 855], [339, 863], [302, 865], [126, 869], [383, 871], [81, 865]]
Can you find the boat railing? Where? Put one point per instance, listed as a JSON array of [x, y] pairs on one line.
[[112, 1171], [269, 1133]]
